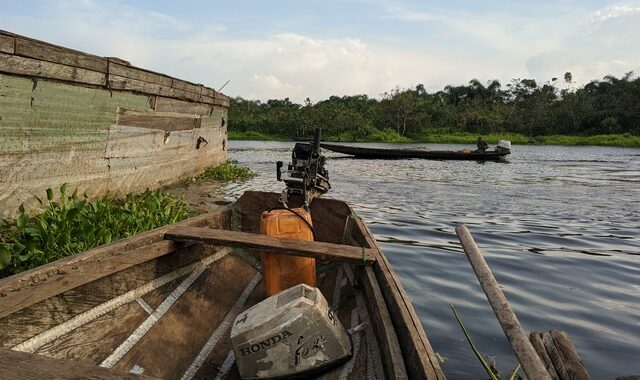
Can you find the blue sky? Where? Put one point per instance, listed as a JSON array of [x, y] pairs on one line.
[[303, 48]]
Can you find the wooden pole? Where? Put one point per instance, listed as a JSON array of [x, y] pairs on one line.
[[531, 364]]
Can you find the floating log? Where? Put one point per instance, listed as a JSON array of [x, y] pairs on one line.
[[536, 340], [555, 349], [531, 363], [318, 250]]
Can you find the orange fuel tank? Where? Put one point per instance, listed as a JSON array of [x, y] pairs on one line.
[[281, 272]]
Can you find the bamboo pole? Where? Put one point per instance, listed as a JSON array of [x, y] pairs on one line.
[[531, 364]]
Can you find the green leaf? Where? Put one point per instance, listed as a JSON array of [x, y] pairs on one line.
[[22, 220], [49, 194], [33, 232], [24, 257], [71, 215], [21, 208], [486, 367], [19, 247], [5, 256], [63, 189], [515, 372], [38, 199]]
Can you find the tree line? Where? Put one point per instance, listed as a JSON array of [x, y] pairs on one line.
[[523, 106]]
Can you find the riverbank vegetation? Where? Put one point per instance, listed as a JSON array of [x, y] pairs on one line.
[[225, 172], [73, 223], [603, 112]]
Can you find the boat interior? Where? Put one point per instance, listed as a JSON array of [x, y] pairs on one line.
[[163, 308]]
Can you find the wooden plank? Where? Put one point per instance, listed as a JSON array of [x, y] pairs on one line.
[[163, 104], [139, 74], [154, 120], [206, 91], [119, 61], [97, 269], [33, 67], [7, 43], [211, 297], [78, 314], [93, 342], [186, 86], [27, 288], [570, 358], [531, 363], [45, 315], [394, 365], [221, 100], [21, 365], [536, 341], [207, 99], [214, 362], [416, 348], [117, 82], [555, 357], [329, 215], [40, 50], [318, 250]]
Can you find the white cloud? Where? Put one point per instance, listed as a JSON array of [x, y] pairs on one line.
[[606, 46], [614, 12], [297, 66]]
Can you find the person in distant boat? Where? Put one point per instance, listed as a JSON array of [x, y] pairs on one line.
[[482, 145]]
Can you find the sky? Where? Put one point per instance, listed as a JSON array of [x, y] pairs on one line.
[[270, 49]]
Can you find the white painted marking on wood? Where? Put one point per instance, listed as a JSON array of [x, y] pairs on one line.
[[226, 366], [144, 305], [221, 329], [32, 344], [154, 317], [136, 370]]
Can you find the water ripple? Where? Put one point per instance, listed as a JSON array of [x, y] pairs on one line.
[[559, 226]]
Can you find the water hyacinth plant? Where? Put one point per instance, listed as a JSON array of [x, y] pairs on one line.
[[225, 172], [74, 224]]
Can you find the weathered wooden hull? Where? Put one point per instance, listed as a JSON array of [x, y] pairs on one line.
[[163, 308], [98, 124], [393, 154]]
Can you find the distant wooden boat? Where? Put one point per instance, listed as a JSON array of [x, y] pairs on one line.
[[389, 154], [161, 303]]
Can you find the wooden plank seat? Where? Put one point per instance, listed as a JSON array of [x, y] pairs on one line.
[[235, 239]]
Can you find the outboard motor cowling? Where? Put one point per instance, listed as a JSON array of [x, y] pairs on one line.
[[504, 145], [292, 333]]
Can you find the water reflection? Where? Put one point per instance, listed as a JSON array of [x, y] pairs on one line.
[[560, 227]]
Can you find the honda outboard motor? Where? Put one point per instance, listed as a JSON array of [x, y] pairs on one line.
[[503, 146], [305, 175], [292, 333]]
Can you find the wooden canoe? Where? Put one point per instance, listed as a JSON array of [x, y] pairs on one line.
[[160, 304], [393, 154]]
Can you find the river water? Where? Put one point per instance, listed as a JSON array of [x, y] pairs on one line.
[[559, 226]]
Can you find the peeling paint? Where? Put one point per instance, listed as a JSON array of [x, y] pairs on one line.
[[53, 133]]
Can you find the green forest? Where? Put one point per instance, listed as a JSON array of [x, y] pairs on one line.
[[602, 112]]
